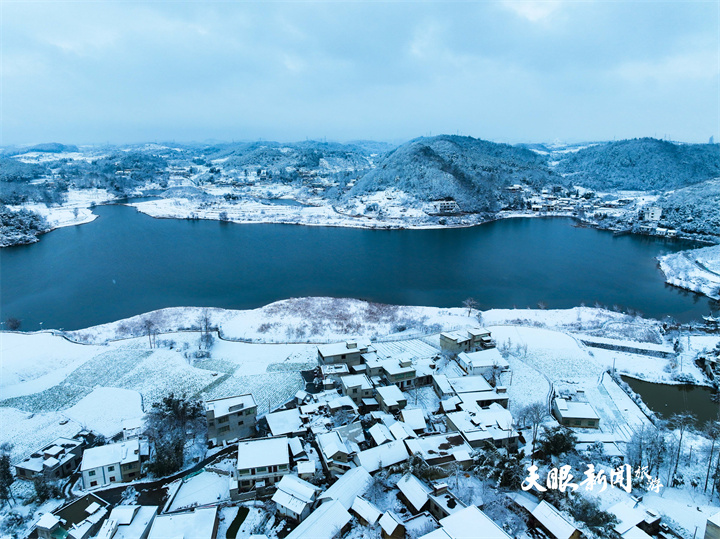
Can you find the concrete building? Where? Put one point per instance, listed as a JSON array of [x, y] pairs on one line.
[[262, 463], [112, 463], [230, 418], [575, 414], [56, 460]]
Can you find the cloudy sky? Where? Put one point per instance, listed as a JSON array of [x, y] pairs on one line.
[[511, 71]]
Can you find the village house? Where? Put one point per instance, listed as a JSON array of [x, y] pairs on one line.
[[443, 503], [56, 460], [367, 513], [468, 340], [230, 418], [294, 497], [413, 493], [200, 523], [348, 352], [286, 422], [336, 453], [349, 486], [357, 387], [262, 463], [415, 419], [575, 414], [443, 450], [486, 363], [552, 522], [475, 389], [80, 519], [382, 456], [399, 372], [477, 425], [390, 399], [128, 522], [391, 526], [111, 463], [467, 522], [328, 521]]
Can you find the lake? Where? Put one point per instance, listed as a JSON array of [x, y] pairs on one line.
[[666, 400], [125, 263]]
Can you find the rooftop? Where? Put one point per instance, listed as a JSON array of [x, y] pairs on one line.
[[323, 523], [284, 422], [553, 521], [104, 455], [263, 452], [229, 405], [191, 525]]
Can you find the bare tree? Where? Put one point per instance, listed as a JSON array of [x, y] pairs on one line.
[[712, 431], [470, 304], [149, 328], [534, 414], [681, 422]]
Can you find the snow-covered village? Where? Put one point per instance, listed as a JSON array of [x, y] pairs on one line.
[[359, 270]]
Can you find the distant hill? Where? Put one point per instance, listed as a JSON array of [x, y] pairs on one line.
[[278, 157], [469, 170], [641, 164], [52, 147], [694, 209]]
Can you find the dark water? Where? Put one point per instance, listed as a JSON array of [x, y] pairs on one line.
[[666, 400], [125, 263]]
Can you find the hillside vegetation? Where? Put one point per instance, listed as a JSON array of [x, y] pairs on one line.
[[469, 170], [641, 164]]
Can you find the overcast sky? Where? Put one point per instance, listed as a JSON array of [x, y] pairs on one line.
[[510, 71]]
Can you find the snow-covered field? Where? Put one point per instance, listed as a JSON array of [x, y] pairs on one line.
[[697, 270]]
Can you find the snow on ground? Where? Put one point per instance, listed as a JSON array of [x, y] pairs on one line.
[[202, 489], [105, 409], [697, 270], [395, 209], [35, 362], [29, 432], [225, 517]]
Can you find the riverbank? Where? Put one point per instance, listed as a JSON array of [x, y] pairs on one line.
[[697, 270]]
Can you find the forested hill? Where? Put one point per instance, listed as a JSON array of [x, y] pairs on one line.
[[469, 170], [641, 164]]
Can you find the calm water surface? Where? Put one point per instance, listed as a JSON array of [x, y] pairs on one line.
[[126, 263], [666, 400]]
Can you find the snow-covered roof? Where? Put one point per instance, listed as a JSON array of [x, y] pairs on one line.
[[391, 395], [294, 493], [366, 510], [47, 521], [575, 410], [306, 467], [390, 522], [331, 443], [440, 445], [351, 484], [715, 519], [105, 455], [628, 515], [394, 368], [296, 446], [401, 431], [382, 456], [380, 434], [553, 521], [342, 402], [340, 348], [284, 422], [191, 525], [484, 358], [263, 452], [470, 523], [230, 405], [356, 380], [635, 533], [414, 490], [443, 384], [142, 517], [469, 384], [414, 418], [323, 523]]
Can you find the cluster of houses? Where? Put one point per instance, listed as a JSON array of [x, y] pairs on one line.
[[352, 422]]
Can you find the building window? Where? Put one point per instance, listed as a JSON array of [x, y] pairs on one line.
[[224, 429], [262, 469], [93, 483], [91, 473], [112, 479], [243, 472], [591, 422], [223, 419], [111, 468]]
